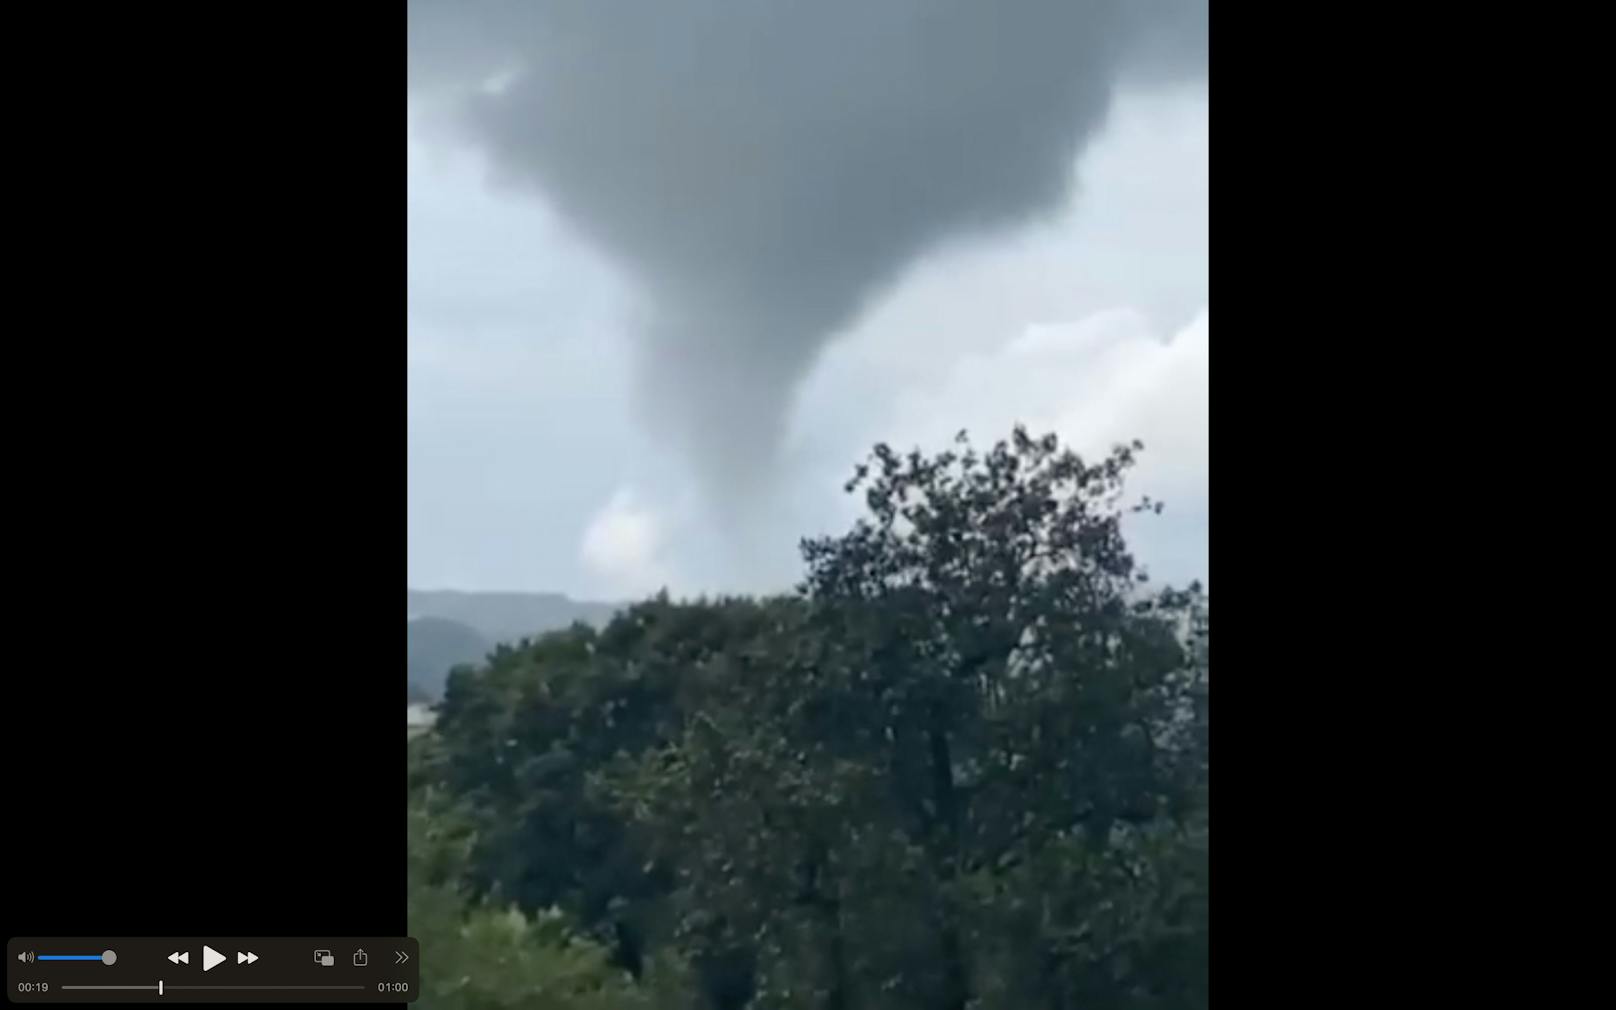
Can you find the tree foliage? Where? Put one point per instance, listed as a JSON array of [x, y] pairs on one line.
[[963, 766]]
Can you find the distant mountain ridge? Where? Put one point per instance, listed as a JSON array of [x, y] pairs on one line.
[[447, 628], [437, 645], [507, 617]]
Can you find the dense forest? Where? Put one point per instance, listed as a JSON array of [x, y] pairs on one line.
[[963, 765]]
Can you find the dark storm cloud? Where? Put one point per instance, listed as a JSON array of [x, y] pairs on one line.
[[765, 168]]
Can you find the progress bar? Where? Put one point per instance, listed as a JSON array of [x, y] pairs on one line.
[[159, 987], [147, 988]]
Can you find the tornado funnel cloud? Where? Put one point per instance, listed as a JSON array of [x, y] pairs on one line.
[[764, 170]]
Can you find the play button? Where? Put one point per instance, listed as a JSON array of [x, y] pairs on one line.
[[211, 958]]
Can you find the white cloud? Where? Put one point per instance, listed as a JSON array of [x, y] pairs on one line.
[[623, 546], [1096, 382]]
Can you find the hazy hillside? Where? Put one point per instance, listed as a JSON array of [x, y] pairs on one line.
[[436, 646], [448, 628], [507, 617]]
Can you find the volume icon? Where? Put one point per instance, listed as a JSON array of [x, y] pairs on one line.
[[27, 957]]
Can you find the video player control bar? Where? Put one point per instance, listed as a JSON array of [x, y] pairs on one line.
[[212, 969]]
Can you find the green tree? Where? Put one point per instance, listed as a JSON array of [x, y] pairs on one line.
[[525, 740], [1025, 693], [974, 715], [479, 955]]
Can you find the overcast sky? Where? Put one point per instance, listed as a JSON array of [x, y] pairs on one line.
[[536, 463]]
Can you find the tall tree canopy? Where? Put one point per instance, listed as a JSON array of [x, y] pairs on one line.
[[964, 765]]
